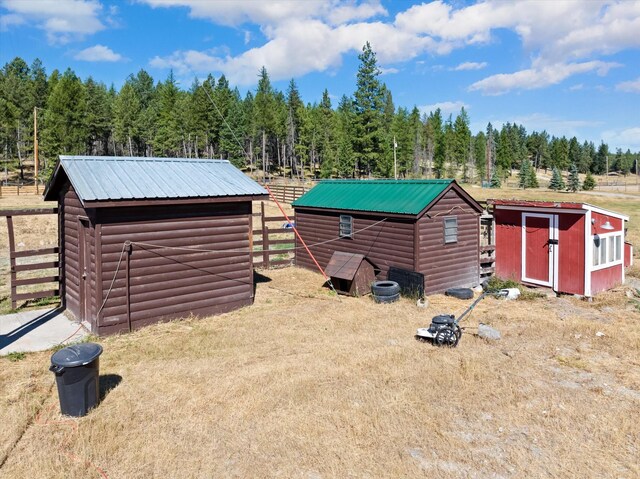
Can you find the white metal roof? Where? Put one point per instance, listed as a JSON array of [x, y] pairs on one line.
[[101, 178]]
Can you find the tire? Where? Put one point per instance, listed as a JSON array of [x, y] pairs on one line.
[[447, 337], [460, 293], [386, 299], [385, 288]]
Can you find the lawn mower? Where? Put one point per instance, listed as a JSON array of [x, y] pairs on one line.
[[445, 329]]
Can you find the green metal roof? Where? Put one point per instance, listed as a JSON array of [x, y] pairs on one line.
[[408, 197]]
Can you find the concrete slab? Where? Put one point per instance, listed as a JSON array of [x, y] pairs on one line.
[[37, 330]]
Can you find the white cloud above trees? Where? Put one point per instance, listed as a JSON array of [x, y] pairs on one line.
[[563, 38], [63, 21], [98, 53]]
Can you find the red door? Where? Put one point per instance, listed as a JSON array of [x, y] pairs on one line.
[[539, 233]]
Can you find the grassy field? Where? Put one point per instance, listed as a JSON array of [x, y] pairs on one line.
[[305, 384]]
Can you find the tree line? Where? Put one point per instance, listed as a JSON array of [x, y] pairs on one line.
[[271, 131]]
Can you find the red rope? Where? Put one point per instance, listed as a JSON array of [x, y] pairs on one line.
[[295, 230]]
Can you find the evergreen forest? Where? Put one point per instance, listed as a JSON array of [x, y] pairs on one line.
[[274, 133]]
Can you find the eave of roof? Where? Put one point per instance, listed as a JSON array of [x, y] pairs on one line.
[[559, 205]]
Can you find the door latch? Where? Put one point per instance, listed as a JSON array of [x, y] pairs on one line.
[[553, 241]]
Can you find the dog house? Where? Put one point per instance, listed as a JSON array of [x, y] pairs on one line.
[[574, 248], [426, 226], [149, 239], [351, 273]]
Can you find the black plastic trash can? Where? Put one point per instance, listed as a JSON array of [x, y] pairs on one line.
[[77, 377]]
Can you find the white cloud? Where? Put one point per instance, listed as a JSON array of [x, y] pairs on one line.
[[561, 37], [9, 20], [537, 77], [62, 20], [388, 71], [446, 107], [632, 86], [235, 13], [471, 66], [625, 139], [579, 86], [350, 12], [98, 53]]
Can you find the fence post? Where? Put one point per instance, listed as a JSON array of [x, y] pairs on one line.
[[265, 239], [12, 262]]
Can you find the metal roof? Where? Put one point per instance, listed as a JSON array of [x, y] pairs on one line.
[[100, 178], [386, 196]]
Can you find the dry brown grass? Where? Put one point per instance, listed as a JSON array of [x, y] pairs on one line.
[[302, 384]]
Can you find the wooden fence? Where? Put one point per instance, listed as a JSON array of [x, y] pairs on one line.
[[273, 240], [287, 193], [17, 190], [48, 279]]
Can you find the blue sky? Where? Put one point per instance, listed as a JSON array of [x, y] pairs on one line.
[[570, 67]]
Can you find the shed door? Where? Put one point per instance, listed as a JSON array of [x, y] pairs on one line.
[[539, 248], [84, 260]]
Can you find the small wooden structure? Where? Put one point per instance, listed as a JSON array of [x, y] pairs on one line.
[[428, 226], [574, 248], [150, 239], [351, 273]]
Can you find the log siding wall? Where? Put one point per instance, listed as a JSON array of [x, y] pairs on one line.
[[171, 283], [454, 264], [70, 211], [389, 243], [164, 283]]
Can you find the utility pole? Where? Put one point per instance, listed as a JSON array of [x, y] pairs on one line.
[[606, 158], [35, 148], [395, 160]]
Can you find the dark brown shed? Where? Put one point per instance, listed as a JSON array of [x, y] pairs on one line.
[[428, 226], [149, 239]]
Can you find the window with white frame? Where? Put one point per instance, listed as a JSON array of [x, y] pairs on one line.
[[346, 226], [450, 229], [607, 250]]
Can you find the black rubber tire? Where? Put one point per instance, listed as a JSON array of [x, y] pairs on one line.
[[386, 299], [447, 337], [460, 293], [385, 288]]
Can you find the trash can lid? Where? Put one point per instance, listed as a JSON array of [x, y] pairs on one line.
[[76, 355]]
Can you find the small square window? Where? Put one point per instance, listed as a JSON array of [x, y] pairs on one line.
[[346, 226], [450, 230]]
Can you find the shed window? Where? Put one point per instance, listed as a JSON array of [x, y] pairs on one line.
[[346, 226], [607, 250], [450, 229]]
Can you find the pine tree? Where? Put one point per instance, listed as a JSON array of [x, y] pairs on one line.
[[99, 117], [346, 158], [573, 182], [524, 174], [589, 183], [434, 139], [495, 179], [126, 113], [556, 183], [65, 114], [461, 141], [264, 116], [532, 181], [369, 107], [167, 140]]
